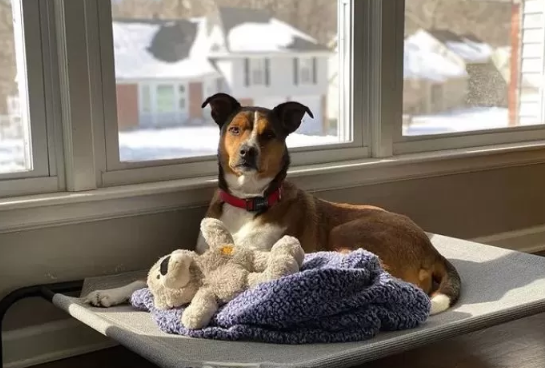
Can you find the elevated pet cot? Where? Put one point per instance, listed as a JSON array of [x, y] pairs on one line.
[[499, 285]]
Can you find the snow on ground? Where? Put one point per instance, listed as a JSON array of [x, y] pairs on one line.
[[12, 157], [460, 120], [157, 144], [144, 145]]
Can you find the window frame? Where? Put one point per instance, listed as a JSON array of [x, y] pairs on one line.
[[114, 172], [41, 108], [80, 152], [437, 142]]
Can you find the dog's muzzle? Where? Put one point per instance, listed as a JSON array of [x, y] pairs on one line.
[[248, 157]]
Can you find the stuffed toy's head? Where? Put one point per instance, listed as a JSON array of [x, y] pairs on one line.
[[173, 280]]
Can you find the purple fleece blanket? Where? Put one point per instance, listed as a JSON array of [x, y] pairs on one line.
[[335, 298]]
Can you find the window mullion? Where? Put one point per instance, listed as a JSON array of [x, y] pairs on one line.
[[75, 95], [385, 74]]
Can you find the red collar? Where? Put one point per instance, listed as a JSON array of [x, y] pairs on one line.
[[255, 204]]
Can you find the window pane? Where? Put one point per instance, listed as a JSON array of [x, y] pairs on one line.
[[179, 47], [15, 143], [467, 68], [305, 70]]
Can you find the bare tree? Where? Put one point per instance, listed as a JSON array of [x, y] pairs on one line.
[[315, 17], [489, 21]]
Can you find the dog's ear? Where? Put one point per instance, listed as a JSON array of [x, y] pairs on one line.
[[290, 114], [223, 106]]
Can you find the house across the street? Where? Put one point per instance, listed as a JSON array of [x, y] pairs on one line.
[[166, 68]]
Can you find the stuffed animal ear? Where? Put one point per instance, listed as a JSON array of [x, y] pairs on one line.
[[215, 233], [175, 269]]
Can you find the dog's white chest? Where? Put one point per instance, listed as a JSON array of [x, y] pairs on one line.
[[248, 231]]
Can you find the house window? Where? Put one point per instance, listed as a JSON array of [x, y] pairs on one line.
[[436, 97], [256, 71], [305, 70]]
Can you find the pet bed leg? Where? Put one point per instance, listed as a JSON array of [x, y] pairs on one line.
[[46, 291]]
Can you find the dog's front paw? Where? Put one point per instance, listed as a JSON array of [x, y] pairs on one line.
[[104, 298], [192, 320]]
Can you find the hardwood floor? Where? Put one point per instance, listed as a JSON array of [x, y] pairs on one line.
[[518, 344]]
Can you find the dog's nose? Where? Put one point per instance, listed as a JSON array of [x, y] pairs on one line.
[[248, 152]]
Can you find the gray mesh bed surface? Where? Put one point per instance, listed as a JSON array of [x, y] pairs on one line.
[[498, 286]]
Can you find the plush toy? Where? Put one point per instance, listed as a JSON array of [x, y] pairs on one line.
[[220, 274]]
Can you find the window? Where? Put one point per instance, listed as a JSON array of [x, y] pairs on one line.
[[249, 61], [481, 62], [15, 131], [305, 70], [26, 149], [99, 93], [257, 70]]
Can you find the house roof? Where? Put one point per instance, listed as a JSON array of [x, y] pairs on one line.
[[167, 49], [467, 46], [256, 30], [421, 60]]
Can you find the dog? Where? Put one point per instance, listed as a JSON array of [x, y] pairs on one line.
[[259, 206]]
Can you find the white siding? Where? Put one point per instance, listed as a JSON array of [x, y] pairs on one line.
[[532, 63]]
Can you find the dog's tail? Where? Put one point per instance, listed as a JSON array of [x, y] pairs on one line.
[[449, 288]]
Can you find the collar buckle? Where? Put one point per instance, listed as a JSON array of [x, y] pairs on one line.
[[257, 204]]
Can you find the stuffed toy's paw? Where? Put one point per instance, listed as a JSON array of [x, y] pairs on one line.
[[193, 319], [288, 245]]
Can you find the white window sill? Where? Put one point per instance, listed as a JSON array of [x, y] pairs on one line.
[[44, 210]]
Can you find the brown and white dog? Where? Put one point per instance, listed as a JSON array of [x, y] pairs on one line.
[[259, 206]]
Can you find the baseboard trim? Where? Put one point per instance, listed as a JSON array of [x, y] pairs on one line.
[[49, 342], [67, 338], [529, 240]]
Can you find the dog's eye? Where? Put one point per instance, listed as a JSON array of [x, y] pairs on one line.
[[234, 130], [268, 135]]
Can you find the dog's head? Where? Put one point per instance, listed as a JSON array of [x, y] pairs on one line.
[[253, 139]]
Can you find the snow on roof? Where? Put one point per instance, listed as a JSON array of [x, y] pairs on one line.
[[136, 55], [422, 61], [255, 30], [468, 47], [273, 36]]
